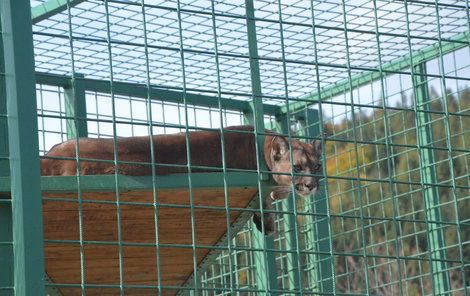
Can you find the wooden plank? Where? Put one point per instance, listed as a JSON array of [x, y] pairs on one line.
[[137, 226]]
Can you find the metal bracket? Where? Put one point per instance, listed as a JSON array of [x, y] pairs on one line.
[[211, 257], [51, 290]]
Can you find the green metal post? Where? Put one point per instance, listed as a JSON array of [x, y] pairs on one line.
[[6, 235], [265, 262], [23, 146], [318, 230], [75, 108], [436, 241], [283, 123], [6, 251], [4, 165]]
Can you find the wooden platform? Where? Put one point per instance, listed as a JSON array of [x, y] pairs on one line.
[[101, 233]]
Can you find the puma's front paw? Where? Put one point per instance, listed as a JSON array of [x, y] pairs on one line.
[[269, 225]]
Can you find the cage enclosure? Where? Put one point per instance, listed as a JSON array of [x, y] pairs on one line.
[[382, 85]]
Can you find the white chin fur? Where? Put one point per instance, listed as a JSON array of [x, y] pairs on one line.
[[282, 194]]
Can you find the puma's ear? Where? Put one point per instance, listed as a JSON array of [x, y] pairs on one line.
[[317, 147], [279, 147]]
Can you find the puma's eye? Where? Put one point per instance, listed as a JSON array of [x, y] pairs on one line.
[[317, 167], [297, 168]]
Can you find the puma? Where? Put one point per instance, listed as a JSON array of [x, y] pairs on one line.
[[205, 151]]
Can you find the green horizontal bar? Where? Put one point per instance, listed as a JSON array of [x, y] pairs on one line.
[[428, 53], [135, 183], [157, 93], [51, 7]]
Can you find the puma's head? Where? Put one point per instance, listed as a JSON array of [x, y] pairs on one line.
[[306, 166]]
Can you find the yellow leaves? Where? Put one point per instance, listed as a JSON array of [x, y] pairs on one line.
[[343, 160]]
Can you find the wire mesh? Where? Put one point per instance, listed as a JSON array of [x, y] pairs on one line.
[[88, 25], [384, 85]]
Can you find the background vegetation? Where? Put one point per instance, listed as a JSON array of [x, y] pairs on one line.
[[391, 199]]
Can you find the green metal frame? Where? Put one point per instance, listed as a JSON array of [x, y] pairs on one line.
[[324, 273], [290, 224], [6, 233], [155, 92], [75, 108], [319, 223], [6, 249], [266, 277], [28, 261], [396, 66], [136, 183], [267, 259], [4, 164], [435, 234], [22, 133], [51, 7]]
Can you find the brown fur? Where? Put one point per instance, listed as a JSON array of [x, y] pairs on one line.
[[205, 150]]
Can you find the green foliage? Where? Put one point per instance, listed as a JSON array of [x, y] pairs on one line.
[[384, 212]]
